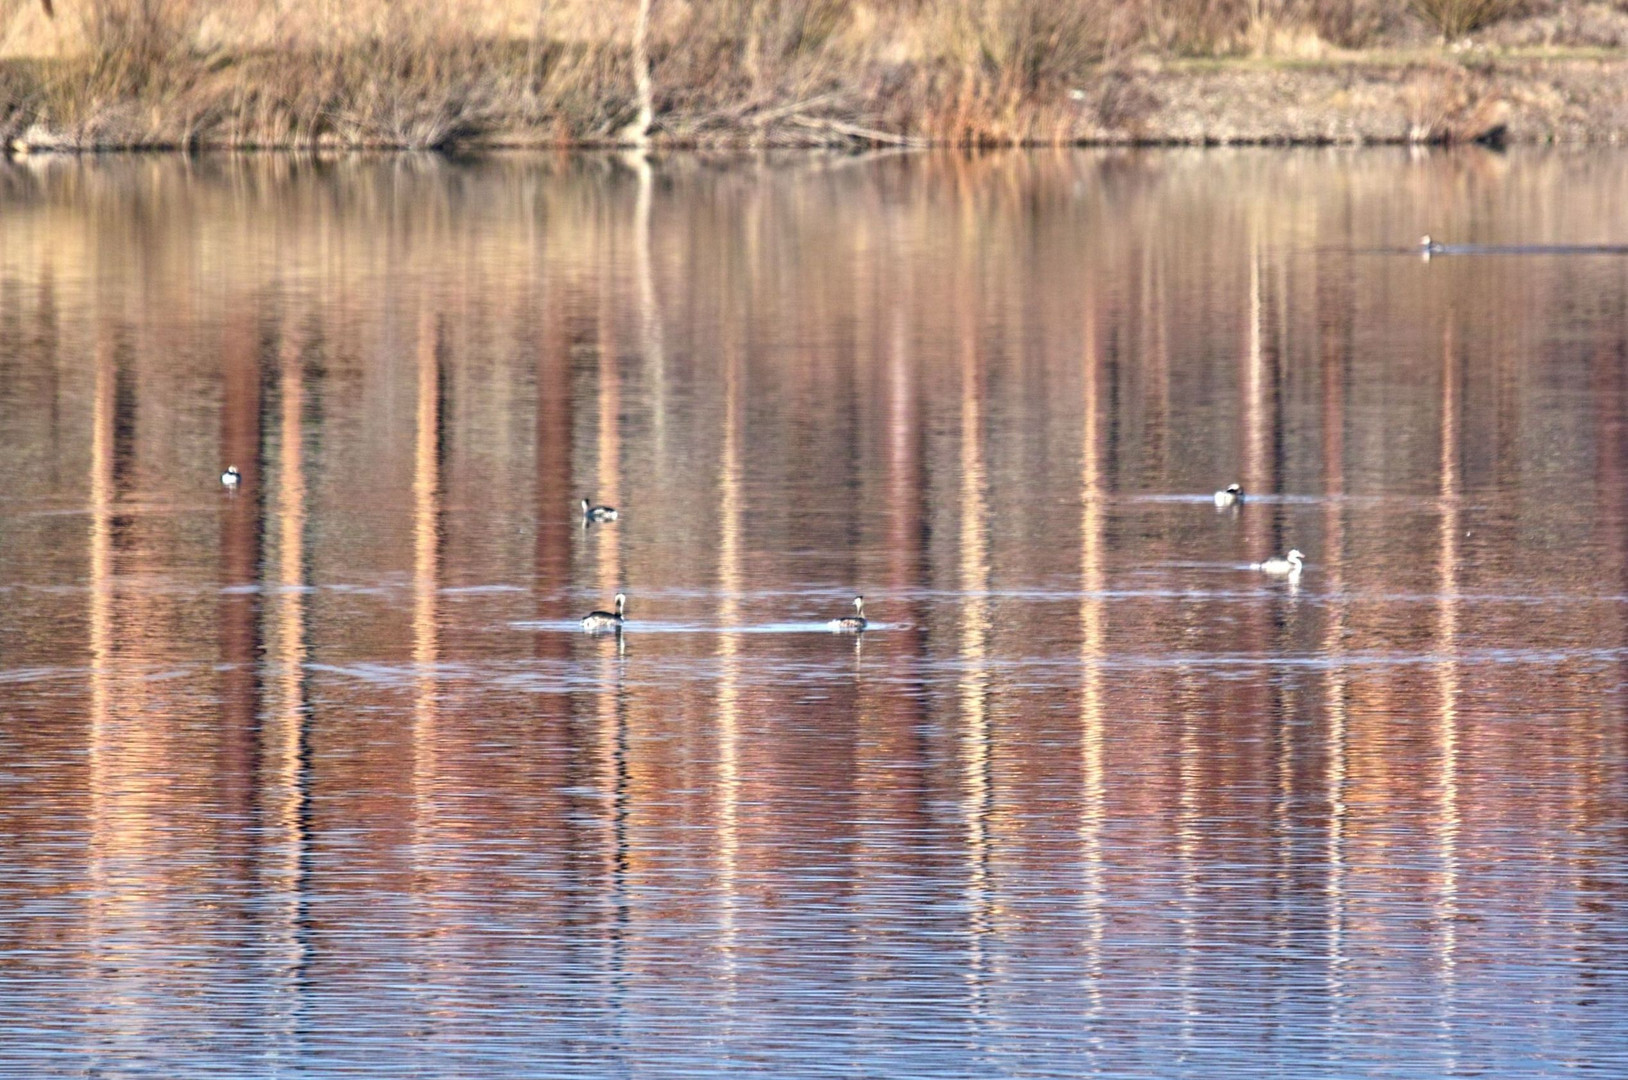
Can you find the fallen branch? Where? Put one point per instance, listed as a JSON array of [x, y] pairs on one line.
[[854, 131], [769, 116]]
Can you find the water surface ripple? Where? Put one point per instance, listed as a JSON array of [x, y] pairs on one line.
[[322, 778]]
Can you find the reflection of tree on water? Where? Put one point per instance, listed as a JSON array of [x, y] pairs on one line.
[[243, 429], [428, 451], [836, 354], [731, 511], [620, 930], [615, 712], [977, 732], [104, 918], [1093, 655], [289, 746], [1447, 677], [650, 331], [1335, 361]]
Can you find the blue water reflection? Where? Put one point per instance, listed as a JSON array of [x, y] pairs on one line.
[[324, 779]]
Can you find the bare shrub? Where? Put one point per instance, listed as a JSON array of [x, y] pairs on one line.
[[1122, 102], [577, 91], [771, 33], [134, 43], [1036, 44], [136, 51], [1024, 44], [1455, 18], [728, 47], [1351, 24], [413, 92], [1195, 27]]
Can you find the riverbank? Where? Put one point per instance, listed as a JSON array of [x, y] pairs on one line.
[[410, 89]]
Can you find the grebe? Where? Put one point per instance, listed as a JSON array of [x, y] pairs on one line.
[[597, 513], [1429, 247], [230, 478], [596, 621], [1231, 495], [1290, 564], [852, 623]]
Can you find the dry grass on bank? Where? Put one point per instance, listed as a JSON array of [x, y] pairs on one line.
[[134, 73]]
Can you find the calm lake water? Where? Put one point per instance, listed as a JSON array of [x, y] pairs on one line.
[[323, 779]]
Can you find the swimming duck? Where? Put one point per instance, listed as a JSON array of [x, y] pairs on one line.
[[1290, 564], [1231, 495], [230, 478], [852, 623], [597, 513], [596, 621]]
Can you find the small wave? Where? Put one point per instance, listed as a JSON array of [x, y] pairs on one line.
[[573, 626]]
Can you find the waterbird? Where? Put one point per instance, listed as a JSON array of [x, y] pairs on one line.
[[1231, 495], [596, 621], [230, 478], [1290, 564], [1429, 247], [852, 623], [597, 513]]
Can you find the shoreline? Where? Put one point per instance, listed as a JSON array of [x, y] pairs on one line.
[[1400, 98]]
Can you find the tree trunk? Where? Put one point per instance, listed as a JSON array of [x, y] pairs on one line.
[[638, 133]]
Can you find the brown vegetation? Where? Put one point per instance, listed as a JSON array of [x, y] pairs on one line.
[[295, 73], [1455, 18]]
